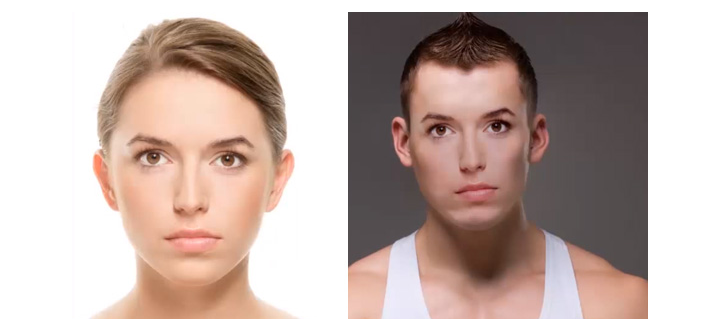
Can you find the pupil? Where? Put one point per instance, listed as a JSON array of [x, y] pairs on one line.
[[228, 159], [153, 158]]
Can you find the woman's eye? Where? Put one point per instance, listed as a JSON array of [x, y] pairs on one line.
[[229, 161], [498, 127], [439, 131], [152, 159]]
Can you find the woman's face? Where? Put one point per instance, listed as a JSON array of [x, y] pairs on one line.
[[188, 153]]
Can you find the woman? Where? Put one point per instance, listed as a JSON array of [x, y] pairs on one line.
[[192, 129]]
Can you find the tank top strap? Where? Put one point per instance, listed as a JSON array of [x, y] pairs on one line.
[[403, 292], [561, 298]]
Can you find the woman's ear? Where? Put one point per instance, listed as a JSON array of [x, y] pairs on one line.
[[401, 140], [102, 175], [282, 174], [539, 138]]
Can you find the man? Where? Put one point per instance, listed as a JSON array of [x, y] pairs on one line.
[[470, 130]]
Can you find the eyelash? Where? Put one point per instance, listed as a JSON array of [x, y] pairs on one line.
[[243, 160], [436, 126], [142, 152], [507, 125], [145, 151]]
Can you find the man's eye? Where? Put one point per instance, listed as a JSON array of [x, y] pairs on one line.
[[440, 131], [499, 127]]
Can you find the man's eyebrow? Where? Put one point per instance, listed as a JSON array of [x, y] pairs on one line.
[[491, 114], [149, 139], [436, 116], [497, 113], [226, 142], [231, 141]]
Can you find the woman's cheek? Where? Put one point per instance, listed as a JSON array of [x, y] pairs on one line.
[[243, 195], [145, 202]]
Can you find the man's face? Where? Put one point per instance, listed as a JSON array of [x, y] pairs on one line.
[[469, 141]]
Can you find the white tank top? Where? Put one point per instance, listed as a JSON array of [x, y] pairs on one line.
[[404, 298]]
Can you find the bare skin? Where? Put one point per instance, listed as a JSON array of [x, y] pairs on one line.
[[190, 152], [605, 292], [482, 258], [230, 297]]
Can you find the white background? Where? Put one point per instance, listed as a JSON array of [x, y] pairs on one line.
[[67, 255]]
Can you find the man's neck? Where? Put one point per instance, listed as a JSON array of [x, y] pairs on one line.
[[512, 247], [154, 296]]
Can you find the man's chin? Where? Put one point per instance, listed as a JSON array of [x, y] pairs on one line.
[[473, 218]]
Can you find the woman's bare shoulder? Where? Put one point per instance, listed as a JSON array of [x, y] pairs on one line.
[[270, 312], [115, 311]]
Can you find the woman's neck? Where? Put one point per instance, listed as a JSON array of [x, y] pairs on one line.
[[512, 247], [154, 296]]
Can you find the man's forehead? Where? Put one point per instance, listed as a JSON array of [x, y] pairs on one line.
[[432, 73], [485, 86]]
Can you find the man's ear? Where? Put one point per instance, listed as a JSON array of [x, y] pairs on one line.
[[401, 140], [539, 138], [282, 174], [103, 177]]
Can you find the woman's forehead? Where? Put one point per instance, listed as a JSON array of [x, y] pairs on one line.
[[188, 105]]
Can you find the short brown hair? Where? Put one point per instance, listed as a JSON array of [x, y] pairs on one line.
[[205, 46], [466, 43]]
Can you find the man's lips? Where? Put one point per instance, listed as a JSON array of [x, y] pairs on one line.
[[475, 187], [476, 192]]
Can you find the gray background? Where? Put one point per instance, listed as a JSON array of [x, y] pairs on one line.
[[591, 186]]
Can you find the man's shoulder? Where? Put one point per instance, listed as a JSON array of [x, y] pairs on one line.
[[366, 285], [606, 292]]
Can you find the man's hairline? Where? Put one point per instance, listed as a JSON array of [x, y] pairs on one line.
[[412, 75]]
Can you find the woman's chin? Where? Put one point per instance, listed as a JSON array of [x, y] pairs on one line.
[[192, 281], [191, 273]]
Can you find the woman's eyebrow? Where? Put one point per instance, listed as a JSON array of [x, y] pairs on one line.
[[231, 141], [149, 139], [226, 142]]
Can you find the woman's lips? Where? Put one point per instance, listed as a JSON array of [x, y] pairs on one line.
[[193, 240], [194, 245]]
